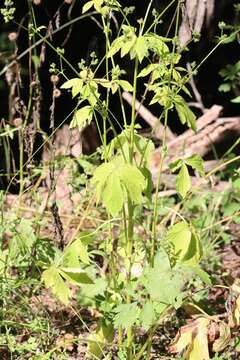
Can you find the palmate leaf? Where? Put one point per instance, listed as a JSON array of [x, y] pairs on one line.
[[162, 283], [54, 276], [82, 117], [126, 315], [114, 180], [52, 279], [141, 48]]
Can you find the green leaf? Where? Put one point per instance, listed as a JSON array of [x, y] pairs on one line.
[[179, 235], [115, 46], [148, 69], [100, 177], [112, 195], [157, 44], [126, 315], [236, 100], [97, 288], [76, 84], [196, 162], [176, 165], [185, 243], [147, 315], [87, 6], [225, 87], [134, 182], [125, 85], [183, 181], [82, 117], [204, 276], [75, 275], [75, 251], [53, 280], [163, 284], [186, 115], [141, 48]]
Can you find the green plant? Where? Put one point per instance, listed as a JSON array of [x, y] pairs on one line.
[[142, 283], [148, 256]]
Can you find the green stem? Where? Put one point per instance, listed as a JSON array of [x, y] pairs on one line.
[[131, 146]]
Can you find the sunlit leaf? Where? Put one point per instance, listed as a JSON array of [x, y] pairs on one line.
[[82, 117], [183, 181], [196, 162], [52, 279], [141, 48], [194, 337], [126, 315], [112, 195]]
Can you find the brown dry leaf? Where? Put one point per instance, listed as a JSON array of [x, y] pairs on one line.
[[224, 337], [194, 337], [234, 305]]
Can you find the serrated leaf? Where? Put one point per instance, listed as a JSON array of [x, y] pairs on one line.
[[70, 83], [141, 48], [112, 195], [183, 181], [147, 315], [196, 162], [126, 315], [53, 280], [82, 117], [134, 182], [185, 114], [157, 44], [100, 177], [163, 284]]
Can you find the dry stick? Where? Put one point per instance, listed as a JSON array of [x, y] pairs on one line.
[[209, 116], [153, 121]]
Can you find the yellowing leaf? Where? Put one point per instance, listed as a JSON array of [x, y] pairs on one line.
[[194, 337], [199, 349], [224, 337]]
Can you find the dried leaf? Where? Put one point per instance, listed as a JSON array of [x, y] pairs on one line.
[[194, 337]]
